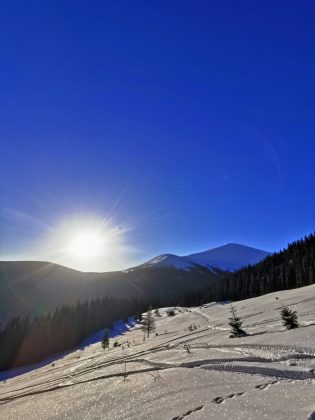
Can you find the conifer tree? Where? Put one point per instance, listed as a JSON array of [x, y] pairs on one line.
[[235, 323], [105, 340], [148, 322], [289, 318]]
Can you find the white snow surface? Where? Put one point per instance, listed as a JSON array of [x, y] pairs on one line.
[[170, 260], [228, 257], [192, 369]]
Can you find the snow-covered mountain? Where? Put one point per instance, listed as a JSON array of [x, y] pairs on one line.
[[228, 257], [170, 260], [28, 285]]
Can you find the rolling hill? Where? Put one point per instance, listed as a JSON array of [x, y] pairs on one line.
[[34, 287]]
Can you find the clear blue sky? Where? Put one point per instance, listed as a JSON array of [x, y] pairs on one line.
[[197, 118]]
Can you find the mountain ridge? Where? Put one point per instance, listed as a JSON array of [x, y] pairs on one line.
[[228, 257], [36, 287]]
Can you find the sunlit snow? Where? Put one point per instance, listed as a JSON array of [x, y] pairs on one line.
[[190, 369]]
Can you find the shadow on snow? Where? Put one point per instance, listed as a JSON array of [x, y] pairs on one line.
[[119, 328]]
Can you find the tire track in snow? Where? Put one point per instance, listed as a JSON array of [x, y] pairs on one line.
[[264, 369], [272, 350]]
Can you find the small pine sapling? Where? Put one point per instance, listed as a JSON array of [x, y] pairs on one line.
[[105, 340], [236, 324], [289, 318]]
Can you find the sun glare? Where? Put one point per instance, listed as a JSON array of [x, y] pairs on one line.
[[86, 245]]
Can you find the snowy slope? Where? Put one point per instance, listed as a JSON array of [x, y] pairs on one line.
[[182, 372], [228, 257], [170, 260]]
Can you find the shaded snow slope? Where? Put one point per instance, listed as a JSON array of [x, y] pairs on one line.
[[228, 257], [190, 369]]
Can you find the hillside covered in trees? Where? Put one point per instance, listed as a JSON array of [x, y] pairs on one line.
[[35, 288], [288, 269], [25, 341]]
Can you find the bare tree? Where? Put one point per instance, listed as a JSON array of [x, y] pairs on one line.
[[148, 322]]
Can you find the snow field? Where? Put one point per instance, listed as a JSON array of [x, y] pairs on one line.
[[200, 374]]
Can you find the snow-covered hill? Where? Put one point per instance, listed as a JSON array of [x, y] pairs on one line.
[[228, 257], [170, 260], [190, 368]]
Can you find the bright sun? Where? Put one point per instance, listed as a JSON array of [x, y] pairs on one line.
[[86, 245]]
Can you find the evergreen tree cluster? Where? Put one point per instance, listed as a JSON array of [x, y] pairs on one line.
[[25, 341], [288, 269]]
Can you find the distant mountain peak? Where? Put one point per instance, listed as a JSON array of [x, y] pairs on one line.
[[229, 257]]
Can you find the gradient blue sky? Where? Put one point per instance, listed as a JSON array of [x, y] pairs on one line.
[[189, 123]]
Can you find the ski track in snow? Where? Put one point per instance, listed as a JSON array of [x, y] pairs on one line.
[[246, 365]]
